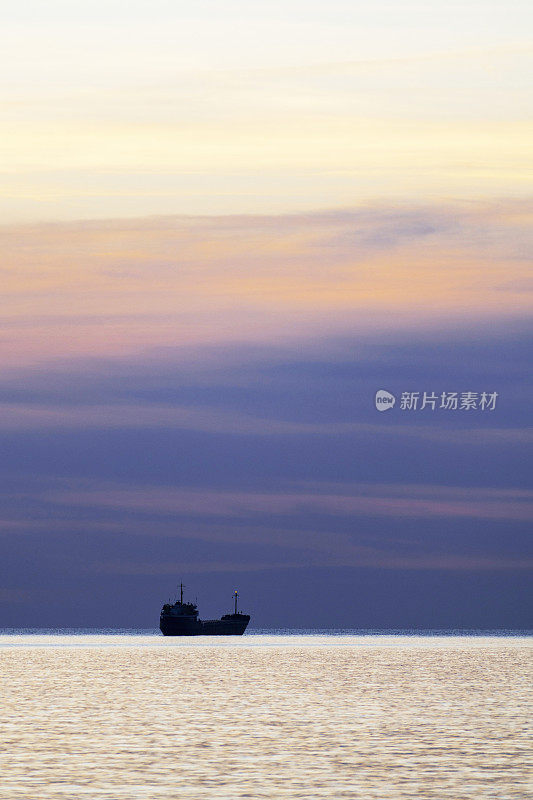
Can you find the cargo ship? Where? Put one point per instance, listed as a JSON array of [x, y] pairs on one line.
[[181, 619]]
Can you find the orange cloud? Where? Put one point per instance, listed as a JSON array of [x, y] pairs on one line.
[[120, 287]]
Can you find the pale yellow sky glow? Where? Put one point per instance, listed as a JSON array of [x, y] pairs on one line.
[[122, 110]]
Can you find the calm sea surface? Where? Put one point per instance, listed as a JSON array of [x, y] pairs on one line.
[[134, 715]]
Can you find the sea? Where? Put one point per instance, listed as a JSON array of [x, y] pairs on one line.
[[274, 714]]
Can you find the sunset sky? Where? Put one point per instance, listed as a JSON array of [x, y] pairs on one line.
[[225, 227]]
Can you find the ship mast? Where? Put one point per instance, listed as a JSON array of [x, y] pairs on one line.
[[236, 596], [181, 593]]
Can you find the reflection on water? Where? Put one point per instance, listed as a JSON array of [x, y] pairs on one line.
[[264, 716]]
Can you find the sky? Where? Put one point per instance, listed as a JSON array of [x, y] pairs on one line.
[[224, 229], [126, 109]]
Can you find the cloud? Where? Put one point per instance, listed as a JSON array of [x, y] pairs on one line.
[[19, 417], [359, 500], [359, 557], [121, 288]]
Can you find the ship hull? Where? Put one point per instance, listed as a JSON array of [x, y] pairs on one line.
[[229, 625]]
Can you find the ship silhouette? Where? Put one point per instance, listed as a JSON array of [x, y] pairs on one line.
[[181, 619]]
